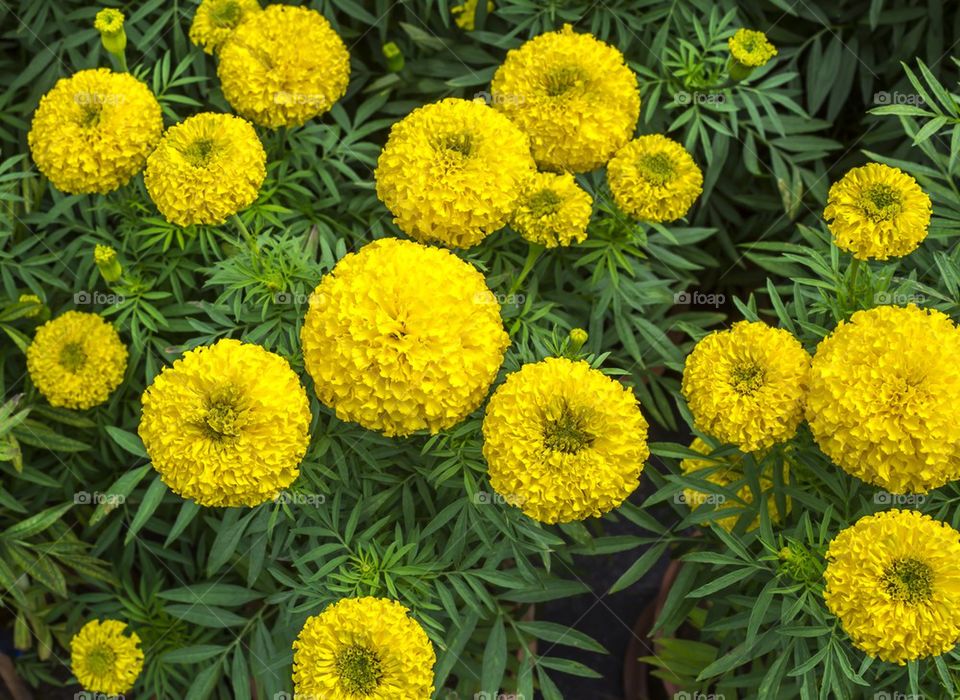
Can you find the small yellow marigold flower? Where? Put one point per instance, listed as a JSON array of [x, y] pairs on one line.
[[283, 66], [878, 212], [32, 299], [76, 360], [573, 94], [403, 337], [724, 471], [215, 20], [553, 210], [466, 14], [109, 23], [105, 659], [564, 441], [451, 172], [227, 425], [205, 169], [106, 259], [750, 48], [653, 178], [884, 400], [745, 386], [94, 130], [363, 648], [893, 579]]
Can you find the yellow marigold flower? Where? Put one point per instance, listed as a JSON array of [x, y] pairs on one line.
[[750, 48], [76, 360], [653, 178], [893, 579], [724, 471], [205, 169], [402, 337], [215, 20], [884, 400], [227, 425], [564, 441], [105, 659], [109, 23], [466, 14], [283, 66], [573, 95], [876, 211], [94, 130], [363, 648], [745, 386], [553, 211], [451, 172]]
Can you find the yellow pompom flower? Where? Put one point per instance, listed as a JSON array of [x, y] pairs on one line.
[[893, 579], [653, 178], [94, 130], [884, 400], [207, 168], [750, 48], [724, 471], [553, 211], [283, 66], [227, 425], [215, 20], [451, 172], [363, 648], [104, 658], [876, 211], [402, 337], [573, 94], [76, 360], [564, 441], [745, 386], [466, 14]]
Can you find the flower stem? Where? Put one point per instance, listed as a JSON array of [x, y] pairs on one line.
[[251, 241], [533, 255]]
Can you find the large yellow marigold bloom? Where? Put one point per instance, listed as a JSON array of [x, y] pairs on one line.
[[363, 649], [876, 211], [884, 400], [402, 337], [451, 172], [227, 425], [215, 20], [750, 48], [207, 168], [653, 178], [76, 360], [283, 66], [893, 579], [724, 471], [553, 210], [745, 386], [94, 130], [105, 659], [573, 95], [564, 441]]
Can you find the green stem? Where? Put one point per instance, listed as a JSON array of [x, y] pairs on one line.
[[122, 60], [251, 241], [533, 253], [854, 273]]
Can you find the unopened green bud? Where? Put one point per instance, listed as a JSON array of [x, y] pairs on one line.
[[106, 258]]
